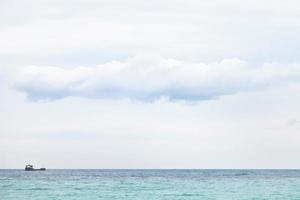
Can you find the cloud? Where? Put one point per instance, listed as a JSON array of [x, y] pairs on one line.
[[294, 122], [149, 78], [65, 31]]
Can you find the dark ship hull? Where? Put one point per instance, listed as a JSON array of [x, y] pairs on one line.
[[41, 169]]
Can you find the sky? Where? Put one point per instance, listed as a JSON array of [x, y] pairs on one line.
[[150, 84]]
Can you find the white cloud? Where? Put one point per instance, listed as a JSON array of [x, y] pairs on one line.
[[193, 30], [150, 78]]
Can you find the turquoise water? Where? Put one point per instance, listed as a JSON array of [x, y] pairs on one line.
[[150, 184]]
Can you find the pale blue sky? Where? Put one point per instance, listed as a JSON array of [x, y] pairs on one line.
[[150, 84]]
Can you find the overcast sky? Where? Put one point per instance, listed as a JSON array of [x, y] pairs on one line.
[[150, 84]]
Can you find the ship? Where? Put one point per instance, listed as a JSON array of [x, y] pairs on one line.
[[30, 168]]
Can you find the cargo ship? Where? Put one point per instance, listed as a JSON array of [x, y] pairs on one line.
[[30, 168]]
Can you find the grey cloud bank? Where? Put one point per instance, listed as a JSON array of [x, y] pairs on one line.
[[150, 78]]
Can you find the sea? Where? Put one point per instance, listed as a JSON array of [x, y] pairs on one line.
[[150, 184]]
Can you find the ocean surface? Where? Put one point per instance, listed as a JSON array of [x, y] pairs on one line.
[[149, 184]]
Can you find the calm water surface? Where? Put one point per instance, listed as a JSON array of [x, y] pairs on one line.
[[150, 184]]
